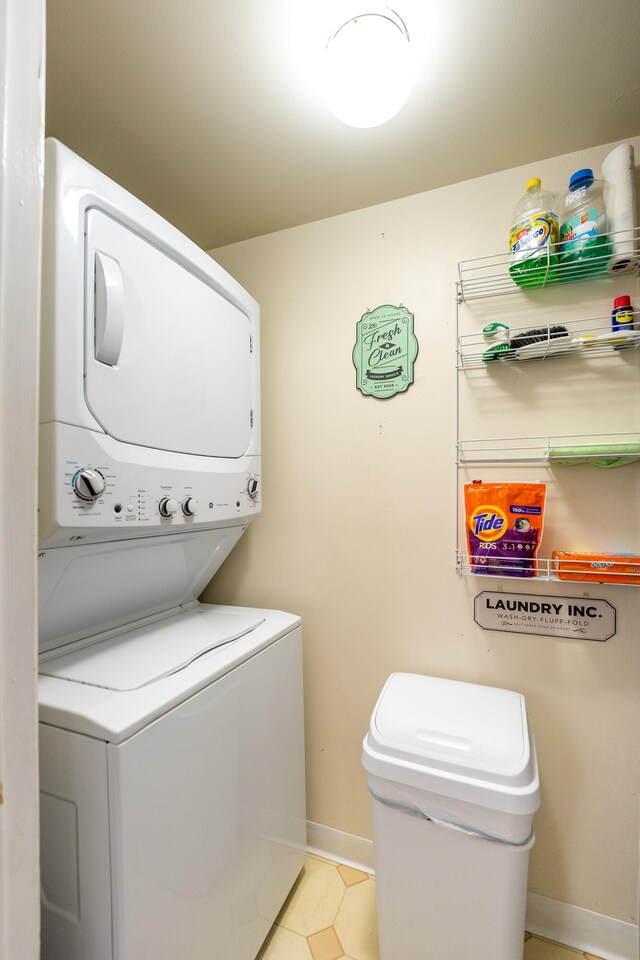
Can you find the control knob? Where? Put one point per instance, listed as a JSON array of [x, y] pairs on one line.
[[88, 484], [252, 488], [189, 507], [168, 506]]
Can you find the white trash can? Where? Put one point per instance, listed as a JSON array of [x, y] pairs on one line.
[[454, 785]]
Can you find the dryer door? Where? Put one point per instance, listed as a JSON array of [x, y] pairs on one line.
[[167, 358]]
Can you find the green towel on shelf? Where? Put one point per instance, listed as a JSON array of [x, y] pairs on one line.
[[602, 455]]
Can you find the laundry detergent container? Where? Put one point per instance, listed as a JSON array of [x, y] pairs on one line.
[[454, 785]]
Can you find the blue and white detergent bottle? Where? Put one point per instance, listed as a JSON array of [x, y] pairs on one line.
[[585, 249]]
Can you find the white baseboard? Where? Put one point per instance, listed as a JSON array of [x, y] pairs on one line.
[[592, 932], [335, 845], [574, 926]]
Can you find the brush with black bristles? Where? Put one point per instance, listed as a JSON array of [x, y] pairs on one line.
[[538, 336]]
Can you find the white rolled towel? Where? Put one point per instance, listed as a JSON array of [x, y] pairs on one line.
[[619, 173]]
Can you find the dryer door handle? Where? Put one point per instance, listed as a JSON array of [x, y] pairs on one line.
[[109, 310]]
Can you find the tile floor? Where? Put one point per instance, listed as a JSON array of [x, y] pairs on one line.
[[330, 915]]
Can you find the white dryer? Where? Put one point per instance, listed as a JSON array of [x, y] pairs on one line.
[[172, 760]]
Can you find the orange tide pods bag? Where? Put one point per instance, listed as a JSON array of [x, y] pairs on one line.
[[504, 527]]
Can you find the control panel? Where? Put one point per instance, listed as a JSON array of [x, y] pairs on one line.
[[99, 495]]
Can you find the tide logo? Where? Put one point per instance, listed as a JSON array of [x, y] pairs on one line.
[[488, 523]]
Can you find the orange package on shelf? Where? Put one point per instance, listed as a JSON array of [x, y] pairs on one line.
[[504, 527], [600, 567]]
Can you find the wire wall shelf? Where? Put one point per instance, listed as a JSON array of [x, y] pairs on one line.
[[502, 346], [586, 338], [490, 276], [608, 450], [624, 571]]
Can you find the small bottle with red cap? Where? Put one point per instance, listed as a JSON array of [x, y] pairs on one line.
[[622, 317]]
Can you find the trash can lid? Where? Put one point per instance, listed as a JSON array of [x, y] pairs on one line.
[[462, 739]]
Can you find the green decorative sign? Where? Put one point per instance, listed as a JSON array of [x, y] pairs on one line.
[[385, 351]]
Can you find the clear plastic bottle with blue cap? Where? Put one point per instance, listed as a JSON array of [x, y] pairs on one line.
[[585, 249]]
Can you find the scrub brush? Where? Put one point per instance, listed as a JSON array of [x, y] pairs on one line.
[[538, 336], [543, 342], [532, 344]]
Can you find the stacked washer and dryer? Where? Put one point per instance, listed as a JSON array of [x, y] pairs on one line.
[[172, 759]]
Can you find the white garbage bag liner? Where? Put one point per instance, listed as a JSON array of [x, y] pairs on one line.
[[495, 826]]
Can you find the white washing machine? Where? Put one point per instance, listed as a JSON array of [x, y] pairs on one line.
[[172, 761]]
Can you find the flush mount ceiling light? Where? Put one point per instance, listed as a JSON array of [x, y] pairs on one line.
[[368, 71]]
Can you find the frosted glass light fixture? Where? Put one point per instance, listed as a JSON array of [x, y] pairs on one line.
[[368, 71]]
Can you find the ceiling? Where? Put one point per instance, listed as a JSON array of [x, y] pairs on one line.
[[210, 112]]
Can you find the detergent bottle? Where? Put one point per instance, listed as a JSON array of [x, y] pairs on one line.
[[534, 233], [585, 249]]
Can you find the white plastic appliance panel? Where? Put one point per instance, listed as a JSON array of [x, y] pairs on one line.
[[167, 358], [74, 839], [86, 590], [142, 656], [74, 189], [137, 479], [114, 716], [207, 820]]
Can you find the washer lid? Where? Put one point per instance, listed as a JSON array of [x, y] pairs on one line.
[[427, 731], [138, 657]]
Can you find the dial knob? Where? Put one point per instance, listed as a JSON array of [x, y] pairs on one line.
[[252, 487], [88, 484], [189, 507], [168, 506]]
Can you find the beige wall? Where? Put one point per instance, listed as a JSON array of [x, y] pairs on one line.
[[358, 524]]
